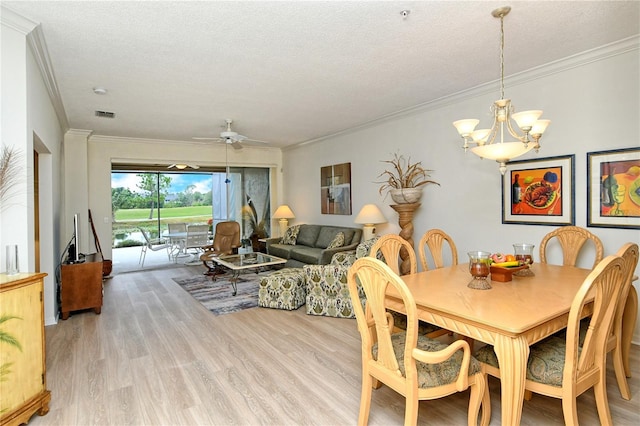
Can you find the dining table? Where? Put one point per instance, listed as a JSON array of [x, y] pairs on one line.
[[511, 315]]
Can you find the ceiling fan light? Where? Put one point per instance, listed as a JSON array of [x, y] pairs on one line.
[[526, 119], [181, 166]]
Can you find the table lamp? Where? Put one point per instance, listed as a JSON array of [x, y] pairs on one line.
[[369, 216], [283, 213]]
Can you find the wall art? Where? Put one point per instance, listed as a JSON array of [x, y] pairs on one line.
[[335, 189], [613, 188], [539, 191]]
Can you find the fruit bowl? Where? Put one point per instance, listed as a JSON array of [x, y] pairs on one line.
[[505, 274]]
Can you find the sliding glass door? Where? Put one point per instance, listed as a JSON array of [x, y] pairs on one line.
[[152, 199]]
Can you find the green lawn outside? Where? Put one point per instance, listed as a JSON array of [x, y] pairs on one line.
[[129, 220], [165, 213]]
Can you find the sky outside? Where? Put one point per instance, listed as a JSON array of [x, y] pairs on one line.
[[179, 182]]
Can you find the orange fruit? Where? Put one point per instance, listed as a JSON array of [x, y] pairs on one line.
[[510, 258]]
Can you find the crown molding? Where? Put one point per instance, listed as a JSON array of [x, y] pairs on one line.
[[41, 54], [79, 132], [35, 39], [606, 51], [16, 21], [156, 142]]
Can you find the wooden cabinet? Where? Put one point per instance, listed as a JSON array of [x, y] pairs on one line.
[[23, 384], [81, 286]]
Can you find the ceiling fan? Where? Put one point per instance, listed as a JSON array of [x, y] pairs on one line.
[[230, 137], [182, 166]]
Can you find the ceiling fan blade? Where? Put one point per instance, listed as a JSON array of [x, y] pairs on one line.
[[236, 145], [256, 141], [206, 139]]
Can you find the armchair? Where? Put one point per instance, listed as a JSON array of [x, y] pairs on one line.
[[225, 241], [326, 285]]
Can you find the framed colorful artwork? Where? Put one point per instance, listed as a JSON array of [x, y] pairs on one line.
[[335, 189], [539, 191], [613, 188]]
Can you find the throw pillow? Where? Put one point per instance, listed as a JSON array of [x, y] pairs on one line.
[[338, 241], [291, 235]]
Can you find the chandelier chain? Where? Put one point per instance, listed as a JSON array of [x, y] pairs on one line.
[[501, 56]]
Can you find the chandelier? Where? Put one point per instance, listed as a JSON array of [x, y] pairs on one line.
[[490, 143]]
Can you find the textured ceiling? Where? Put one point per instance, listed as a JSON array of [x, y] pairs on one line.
[[290, 72]]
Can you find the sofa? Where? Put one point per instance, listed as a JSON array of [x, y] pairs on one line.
[[313, 244]]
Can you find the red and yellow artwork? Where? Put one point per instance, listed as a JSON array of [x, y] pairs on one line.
[[537, 191], [620, 188]]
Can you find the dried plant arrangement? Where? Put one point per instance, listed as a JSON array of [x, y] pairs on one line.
[[404, 174], [9, 172]]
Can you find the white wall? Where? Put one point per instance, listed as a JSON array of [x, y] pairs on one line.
[[30, 123], [593, 102]]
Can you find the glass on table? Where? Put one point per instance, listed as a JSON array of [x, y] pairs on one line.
[[479, 262], [523, 253]]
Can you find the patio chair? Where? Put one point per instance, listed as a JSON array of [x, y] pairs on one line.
[[197, 239], [153, 245], [177, 243]]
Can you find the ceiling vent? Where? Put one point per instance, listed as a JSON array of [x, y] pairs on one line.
[[105, 114]]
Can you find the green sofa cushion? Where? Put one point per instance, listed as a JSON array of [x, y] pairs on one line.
[[309, 255], [308, 235], [281, 250], [328, 233]]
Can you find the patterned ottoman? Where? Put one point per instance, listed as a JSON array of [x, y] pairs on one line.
[[283, 289]]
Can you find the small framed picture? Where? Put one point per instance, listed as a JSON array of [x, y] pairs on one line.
[[539, 191], [613, 188]]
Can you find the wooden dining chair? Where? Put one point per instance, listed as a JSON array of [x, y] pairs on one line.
[[629, 253], [389, 247], [415, 366], [560, 368], [571, 239], [433, 241]]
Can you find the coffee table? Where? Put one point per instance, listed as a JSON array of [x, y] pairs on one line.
[[246, 261]]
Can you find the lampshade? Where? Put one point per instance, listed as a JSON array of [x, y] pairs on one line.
[[283, 212], [370, 214]]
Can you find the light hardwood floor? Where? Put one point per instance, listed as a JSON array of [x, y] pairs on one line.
[[155, 356]]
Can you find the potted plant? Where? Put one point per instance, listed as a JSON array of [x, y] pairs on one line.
[[258, 227], [405, 180]]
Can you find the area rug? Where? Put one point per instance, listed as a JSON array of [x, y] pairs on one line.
[[217, 296]]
